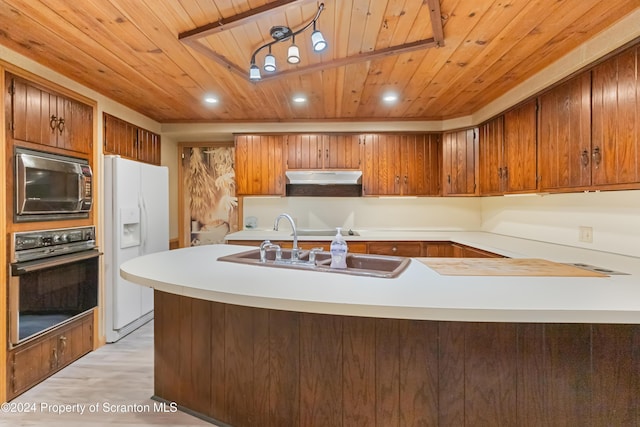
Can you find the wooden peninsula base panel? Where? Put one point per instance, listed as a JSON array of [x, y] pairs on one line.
[[251, 367]]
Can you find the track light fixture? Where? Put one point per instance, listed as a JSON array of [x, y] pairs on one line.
[[282, 33]]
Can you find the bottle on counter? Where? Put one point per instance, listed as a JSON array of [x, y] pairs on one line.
[[339, 250]]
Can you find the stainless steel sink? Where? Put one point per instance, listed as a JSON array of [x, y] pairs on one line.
[[357, 264]]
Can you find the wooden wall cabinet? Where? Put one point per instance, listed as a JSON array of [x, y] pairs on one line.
[[43, 117], [491, 152], [130, 141], [615, 127], [520, 149], [508, 150], [323, 151], [32, 362], [459, 162], [148, 146], [589, 128], [405, 165], [564, 135], [259, 165]]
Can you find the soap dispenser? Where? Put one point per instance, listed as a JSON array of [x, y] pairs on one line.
[[339, 250]]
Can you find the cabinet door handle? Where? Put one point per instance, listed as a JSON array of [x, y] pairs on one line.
[[327, 153], [585, 158], [448, 179], [394, 249], [53, 123], [319, 153], [61, 126], [499, 172], [397, 179], [53, 362], [406, 179], [506, 172], [63, 343], [597, 156]]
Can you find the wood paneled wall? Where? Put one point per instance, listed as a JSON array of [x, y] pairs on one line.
[[248, 366]]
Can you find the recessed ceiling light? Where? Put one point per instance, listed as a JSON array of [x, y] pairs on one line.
[[299, 99], [210, 99], [390, 97]]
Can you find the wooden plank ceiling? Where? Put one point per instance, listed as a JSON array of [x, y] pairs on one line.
[[130, 51]]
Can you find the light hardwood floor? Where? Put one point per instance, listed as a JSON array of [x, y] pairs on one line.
[[115, 374]]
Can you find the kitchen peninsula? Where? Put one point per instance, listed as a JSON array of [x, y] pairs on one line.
[[251, 345]]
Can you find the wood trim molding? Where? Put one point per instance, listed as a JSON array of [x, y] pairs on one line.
[[238, 20], [3, 248]]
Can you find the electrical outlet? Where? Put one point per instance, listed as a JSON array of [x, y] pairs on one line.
[[585, 234]]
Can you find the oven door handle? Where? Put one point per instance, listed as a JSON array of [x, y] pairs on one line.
[[21, 268]]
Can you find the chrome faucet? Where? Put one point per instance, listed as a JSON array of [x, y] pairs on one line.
[[266, 245], [263, 250], [295, 251]]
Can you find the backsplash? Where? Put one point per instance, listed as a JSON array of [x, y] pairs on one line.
[[614, 217], [436, 213]]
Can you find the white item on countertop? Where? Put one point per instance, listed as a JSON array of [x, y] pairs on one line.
[[339, 250]]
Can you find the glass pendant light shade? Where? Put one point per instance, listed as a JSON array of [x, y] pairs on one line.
[[254, 73], [293, 55], [318, 41], [270, 63]]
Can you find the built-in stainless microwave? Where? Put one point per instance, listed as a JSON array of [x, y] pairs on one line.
[[50, 186]]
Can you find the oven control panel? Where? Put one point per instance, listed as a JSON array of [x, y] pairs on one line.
[[30, 245]]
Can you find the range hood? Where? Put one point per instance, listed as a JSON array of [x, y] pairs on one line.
[[329, 183], [324, 177]]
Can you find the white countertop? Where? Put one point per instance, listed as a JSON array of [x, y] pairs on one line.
[[418, 293]]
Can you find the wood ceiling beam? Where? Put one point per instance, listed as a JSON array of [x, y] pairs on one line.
[[238, 20], [436, 21], [191, 37], [220, 59], [367, 56]]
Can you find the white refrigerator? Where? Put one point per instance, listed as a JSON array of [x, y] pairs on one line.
[[136, 215]]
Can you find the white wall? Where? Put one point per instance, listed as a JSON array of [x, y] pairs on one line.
[[613, 215], [435, 213]]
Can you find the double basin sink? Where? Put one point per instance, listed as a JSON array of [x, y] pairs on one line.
[[357, 264]]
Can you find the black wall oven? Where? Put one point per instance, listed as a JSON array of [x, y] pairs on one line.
[[54, 279], [51, 187]]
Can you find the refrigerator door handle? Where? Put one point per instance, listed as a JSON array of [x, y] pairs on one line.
[[143, 224]]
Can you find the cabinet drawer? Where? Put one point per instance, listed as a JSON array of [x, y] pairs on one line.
[[408, 249]]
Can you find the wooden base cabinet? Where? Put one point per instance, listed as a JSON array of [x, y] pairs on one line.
[[249, 367], [32, 362], [411, 249], [407, 249]]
